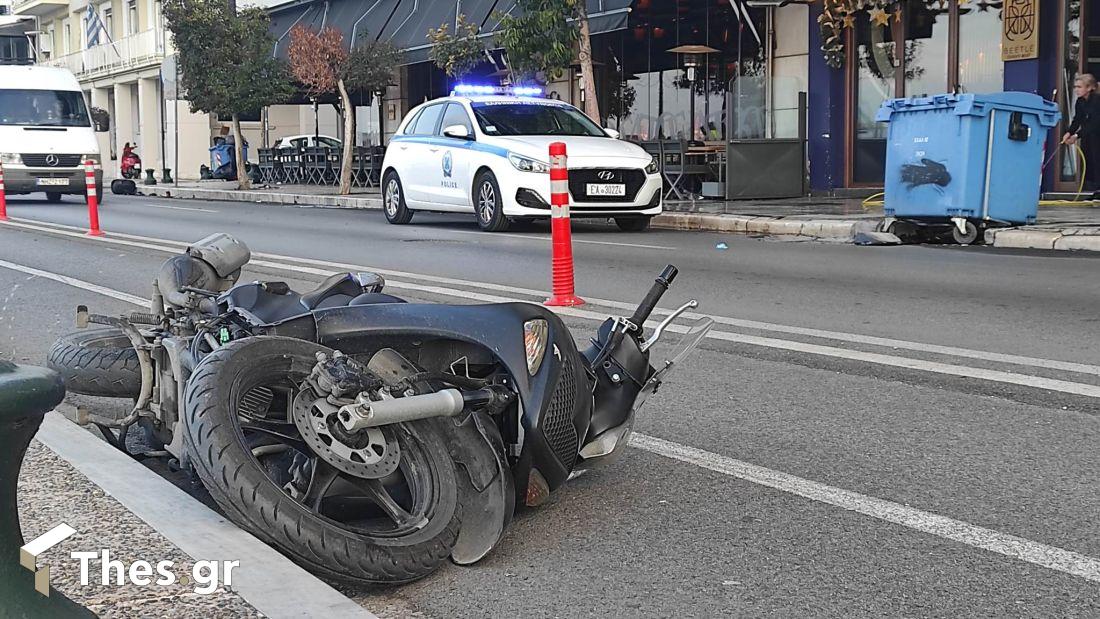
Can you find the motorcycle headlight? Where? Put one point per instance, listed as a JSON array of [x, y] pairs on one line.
[[526, 164], [11, 158], [654, 166], [535, 333]]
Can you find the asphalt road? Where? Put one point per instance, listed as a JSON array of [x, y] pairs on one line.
[[796, 466]]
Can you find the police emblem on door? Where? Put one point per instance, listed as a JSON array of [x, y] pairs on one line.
[[447, 164]]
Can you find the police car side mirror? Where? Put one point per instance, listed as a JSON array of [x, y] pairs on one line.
[[459, 132], [611, 132]]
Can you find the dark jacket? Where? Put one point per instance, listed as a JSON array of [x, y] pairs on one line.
[[1086, 126]]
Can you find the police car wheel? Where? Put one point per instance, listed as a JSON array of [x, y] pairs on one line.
[[488, 205], [393, 200]]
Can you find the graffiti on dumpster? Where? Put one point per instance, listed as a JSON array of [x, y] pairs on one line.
[[927, 172]]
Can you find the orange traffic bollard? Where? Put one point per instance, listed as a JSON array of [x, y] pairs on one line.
[[562, 292], [3, 200], [93, 200]]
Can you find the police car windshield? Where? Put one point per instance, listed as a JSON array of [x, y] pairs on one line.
[[513, 118]]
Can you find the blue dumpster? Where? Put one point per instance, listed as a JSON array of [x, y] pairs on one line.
[[222, 164], [970, 160]]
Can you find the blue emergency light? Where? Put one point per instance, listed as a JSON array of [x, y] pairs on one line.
[[478, 89]]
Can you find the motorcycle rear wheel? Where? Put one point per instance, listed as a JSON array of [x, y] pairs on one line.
[[99, 362], [251, 463]]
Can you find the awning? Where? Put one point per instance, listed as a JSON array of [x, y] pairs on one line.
[[406, 22]]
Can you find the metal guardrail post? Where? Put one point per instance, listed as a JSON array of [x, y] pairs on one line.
[[27, 393]]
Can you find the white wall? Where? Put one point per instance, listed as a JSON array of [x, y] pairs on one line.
[[791, 66]]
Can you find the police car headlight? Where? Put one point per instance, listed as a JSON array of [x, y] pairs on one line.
[[653, 167], [524, 164]]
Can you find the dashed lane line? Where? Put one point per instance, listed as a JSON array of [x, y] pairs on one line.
[[1028, 551], [951, 351]]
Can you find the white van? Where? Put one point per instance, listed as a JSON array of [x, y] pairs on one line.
[[45, 133]]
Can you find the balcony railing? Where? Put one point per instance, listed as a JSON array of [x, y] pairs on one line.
[[132, 52]]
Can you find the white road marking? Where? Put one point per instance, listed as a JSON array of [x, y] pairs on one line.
[[179, 208], [539, 237], [1043, 555], [952, 351], [1036, 553], [948, 369], [77, 283]]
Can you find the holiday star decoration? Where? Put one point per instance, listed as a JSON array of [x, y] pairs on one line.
[[836, 15]]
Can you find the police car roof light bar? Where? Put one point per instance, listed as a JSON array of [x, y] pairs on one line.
[[477, 89]]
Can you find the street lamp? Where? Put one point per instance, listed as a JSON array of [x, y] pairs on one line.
[[692, 57]]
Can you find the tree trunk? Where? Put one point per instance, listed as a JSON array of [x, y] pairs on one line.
[[588, 74], [238, 155], [349, 138]]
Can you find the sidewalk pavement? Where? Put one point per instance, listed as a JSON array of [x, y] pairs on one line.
[[819, 218]]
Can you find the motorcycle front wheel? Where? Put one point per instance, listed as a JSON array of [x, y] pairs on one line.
[[390, 528]]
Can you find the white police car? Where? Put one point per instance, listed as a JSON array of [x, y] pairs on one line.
[[485, 151]]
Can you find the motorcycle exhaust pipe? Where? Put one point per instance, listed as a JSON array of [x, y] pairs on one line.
[[365, 413]]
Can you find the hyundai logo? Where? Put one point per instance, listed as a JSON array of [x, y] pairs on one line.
[[51, 160], [606, 175]]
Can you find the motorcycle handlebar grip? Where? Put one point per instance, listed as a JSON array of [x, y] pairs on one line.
[[660, 285]]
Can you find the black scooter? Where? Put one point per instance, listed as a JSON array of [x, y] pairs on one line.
[[368, 438]]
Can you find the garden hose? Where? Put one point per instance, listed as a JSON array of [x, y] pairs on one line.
[[871, 201]]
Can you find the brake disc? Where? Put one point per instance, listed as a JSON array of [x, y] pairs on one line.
[[372, 453]]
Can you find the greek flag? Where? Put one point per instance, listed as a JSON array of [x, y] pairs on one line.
[[93, 26]]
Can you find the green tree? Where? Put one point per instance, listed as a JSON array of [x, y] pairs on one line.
[[322, 63], [459, 53], [225, 61], [539, 38]]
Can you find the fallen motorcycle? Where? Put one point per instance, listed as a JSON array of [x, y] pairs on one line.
[[367, 438]]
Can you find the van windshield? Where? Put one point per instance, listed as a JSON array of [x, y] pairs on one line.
[[43, 108]]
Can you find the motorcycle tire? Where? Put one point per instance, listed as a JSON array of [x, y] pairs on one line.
[[245, 489], [99, 362]]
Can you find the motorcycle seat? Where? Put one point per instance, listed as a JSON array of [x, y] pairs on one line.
[[337, 290]]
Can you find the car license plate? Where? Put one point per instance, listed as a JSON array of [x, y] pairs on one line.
[[605, 189], [53, 182]]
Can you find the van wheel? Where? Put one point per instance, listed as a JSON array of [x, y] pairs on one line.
[[393, 200], [53, 197], [488, 205]]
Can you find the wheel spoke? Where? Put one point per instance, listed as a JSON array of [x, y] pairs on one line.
[[319, 482], [286, 433], [376, 492]]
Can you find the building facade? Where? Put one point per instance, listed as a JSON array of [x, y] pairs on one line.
[[666, 69]]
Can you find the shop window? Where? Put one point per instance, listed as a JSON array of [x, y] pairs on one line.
[[981, 69], [876, 60]]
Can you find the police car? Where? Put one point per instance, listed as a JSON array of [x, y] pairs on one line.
[[485, 150]]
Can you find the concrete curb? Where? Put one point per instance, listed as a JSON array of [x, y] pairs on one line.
[[267, 580], [836, 230], [1068, 239], [260, 197]]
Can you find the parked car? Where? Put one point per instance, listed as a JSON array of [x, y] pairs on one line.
[[46, 133], [307, 141], [488, 154]]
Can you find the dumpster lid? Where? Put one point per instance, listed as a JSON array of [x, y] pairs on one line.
[[970, 104]]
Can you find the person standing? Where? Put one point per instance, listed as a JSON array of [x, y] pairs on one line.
[[1085, 129]]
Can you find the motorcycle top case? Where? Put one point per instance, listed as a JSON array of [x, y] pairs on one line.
[[966, 155]]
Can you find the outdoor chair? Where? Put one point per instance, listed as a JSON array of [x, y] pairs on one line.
[[677, 167], [266, 162], [313, 165]]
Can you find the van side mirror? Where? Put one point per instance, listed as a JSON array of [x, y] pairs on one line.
[[459, 132]]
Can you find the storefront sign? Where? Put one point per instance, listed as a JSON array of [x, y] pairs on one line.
[[1020, 30]]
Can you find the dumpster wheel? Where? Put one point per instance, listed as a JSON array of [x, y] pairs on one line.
[[968, 233]]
